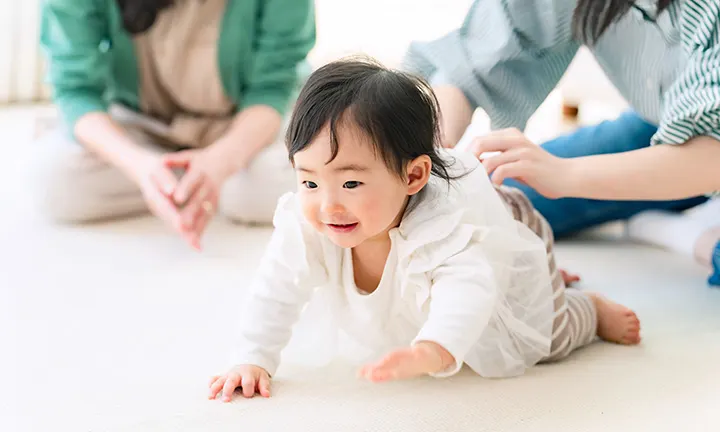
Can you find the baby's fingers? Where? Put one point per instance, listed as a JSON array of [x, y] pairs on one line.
[[231, 383], [248, 385], [216, 386], [365, 371], [264, 385], [213, 379]]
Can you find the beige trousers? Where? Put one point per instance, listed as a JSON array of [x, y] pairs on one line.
[[74, 185]]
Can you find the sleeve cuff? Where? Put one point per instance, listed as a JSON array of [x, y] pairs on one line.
[[279, 100], [680, 133], [452, 370], [258, 360], [75, 107], [457, 353]]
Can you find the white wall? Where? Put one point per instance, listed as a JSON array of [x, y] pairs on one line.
[[20, 64], [381, 28]]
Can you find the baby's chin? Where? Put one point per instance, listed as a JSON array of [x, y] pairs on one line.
[[349, 241], [345, 241]]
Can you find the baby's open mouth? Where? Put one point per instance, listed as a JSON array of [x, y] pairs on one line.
[[343, 228]]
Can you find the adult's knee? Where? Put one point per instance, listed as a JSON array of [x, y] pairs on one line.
[[244, 199], [59, 180], [251, 196]]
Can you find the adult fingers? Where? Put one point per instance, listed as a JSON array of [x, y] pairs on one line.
[[188, 185], [199, 203], [179, 159], [165, 180], [513, 170], [492, 163], [163, 207], [497, 142], [202, 219]]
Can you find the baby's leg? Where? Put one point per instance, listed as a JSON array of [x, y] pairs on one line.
[[579, 316]]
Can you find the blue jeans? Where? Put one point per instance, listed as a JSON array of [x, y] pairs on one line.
[[715, 277], [570, 215]]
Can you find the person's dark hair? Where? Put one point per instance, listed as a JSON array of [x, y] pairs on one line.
[[592, 17], [396, 111], [139, 15]]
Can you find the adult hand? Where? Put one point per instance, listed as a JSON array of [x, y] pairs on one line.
[[157, 184], [198, 190], [524, 161]]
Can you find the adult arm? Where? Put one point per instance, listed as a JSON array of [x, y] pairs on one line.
[[72, 33], [506, 58], [684, 160]]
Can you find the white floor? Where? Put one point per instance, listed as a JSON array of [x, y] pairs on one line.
[[118, 327]]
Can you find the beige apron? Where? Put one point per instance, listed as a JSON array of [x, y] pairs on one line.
[[183, 105], [180, 85]]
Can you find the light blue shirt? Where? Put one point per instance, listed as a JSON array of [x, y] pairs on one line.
[[510, 54]]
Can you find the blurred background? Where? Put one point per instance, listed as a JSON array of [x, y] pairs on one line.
[[380, 28], [129, 308]]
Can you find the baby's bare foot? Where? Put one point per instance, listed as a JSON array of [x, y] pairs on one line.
[[569, 278], [616, 323]]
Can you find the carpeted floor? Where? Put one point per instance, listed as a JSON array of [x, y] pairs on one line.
[[119, 326]]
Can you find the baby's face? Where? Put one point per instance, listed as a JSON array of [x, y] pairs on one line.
[[355, 197]]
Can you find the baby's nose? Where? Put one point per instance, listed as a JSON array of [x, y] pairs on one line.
[[332, 206]]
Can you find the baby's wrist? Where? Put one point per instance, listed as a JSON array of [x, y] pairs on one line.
[[442, 357]]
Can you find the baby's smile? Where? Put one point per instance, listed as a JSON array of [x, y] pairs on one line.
[[343, 228]]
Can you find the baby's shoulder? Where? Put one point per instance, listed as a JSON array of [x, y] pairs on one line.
[[434, 234]]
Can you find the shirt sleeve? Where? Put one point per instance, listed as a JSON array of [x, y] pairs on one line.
[[507, 56], [289, 271], [692, 103], [72, 33], [462, 301], [285, 35]]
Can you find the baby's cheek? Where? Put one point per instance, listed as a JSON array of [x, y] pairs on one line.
[[376, 211], [310, 213]]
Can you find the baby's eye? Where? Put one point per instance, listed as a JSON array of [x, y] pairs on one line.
[[309, 184], [351, 184]]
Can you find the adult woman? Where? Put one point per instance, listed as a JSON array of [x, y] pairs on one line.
[[149, 89], [663, 56]]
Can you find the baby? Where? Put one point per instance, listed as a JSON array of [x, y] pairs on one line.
[[415, 255]]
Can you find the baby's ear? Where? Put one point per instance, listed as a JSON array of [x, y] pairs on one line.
[[418, 173]]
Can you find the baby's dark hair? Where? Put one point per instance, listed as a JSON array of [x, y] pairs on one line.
[[397, 111]]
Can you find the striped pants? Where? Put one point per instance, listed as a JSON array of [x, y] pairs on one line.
[[575, 323]]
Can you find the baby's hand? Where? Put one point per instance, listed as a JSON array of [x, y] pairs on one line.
[[421, 359], [251, 378]]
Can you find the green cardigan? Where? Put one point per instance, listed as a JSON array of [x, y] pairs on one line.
[[92, 61]]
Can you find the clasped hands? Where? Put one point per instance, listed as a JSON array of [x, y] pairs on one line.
[[187, 203]]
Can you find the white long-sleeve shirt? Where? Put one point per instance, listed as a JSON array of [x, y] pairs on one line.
[[461, 273]]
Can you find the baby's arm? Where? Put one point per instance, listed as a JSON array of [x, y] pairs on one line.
[[277, 295], [462, 301]]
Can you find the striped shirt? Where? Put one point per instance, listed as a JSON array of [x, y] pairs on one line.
[[510, 54]]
